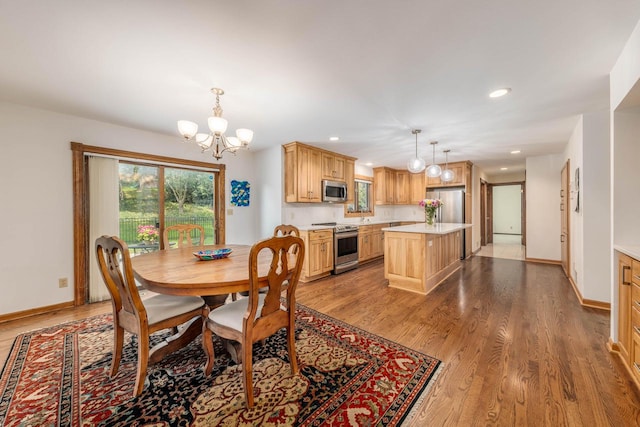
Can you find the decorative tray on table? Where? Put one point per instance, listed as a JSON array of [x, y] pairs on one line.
[[211, 254]]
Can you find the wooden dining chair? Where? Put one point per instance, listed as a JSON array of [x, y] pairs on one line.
[[185, 237], [286, 230], [261, 315], [131, 313]]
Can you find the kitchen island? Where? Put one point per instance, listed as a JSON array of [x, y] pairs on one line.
[[418, 257]]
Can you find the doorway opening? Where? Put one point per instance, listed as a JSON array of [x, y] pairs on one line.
[[503, 219]]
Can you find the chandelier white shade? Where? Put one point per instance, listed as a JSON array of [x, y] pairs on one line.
[[416, 164], [447, 174], [434, 170], [216, 140]]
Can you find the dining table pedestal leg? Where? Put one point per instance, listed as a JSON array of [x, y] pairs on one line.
[[177, 341]]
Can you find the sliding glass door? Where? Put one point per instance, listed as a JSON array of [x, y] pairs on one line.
[[153, 197]]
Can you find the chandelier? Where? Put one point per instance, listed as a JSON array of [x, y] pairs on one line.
[[216, 140], [434, 170], [416, 164]]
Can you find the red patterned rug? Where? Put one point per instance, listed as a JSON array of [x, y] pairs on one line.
[[60, 376]]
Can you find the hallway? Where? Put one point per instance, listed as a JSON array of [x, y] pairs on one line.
[[505, 246]]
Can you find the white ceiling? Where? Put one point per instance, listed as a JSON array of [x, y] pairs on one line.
[[367, 71]]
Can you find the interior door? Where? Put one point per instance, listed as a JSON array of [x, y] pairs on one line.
[[564, 218]]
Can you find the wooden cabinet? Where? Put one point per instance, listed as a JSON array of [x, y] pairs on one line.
[[333, 166], [318, 260], [401, 190], [460, 178], [635, 319], [302, 177], [364, 243], [624, 307], [349, 177], [377, 240], [417, 187], [305, 167], [628, 343], [370, 241], [384, 181]]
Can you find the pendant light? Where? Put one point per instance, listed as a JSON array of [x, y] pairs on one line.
[[447, 174], [416, 164], [434, 170]]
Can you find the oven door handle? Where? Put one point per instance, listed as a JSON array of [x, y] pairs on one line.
[[346, 234]]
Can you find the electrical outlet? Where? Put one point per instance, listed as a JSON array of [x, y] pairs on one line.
[[63, 282], [229, 212]]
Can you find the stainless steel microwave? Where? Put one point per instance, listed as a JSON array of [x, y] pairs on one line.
[[334, 191]]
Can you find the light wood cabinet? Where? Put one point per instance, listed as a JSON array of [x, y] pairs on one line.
[[384, 183], [401, 193], [318, 260], [418, 262], [370, 241], [333, 166], [460, 178], [305, 167], [417, 187], [635, 319], [624, 306], [628, 343], [364, 243], [377, 240], [349, 177]]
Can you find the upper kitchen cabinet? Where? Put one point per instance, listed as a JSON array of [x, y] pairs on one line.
[[305, 167], [417, 187], [384, 181], [402, 190], [350, 178], [462, 171], [333, 166]]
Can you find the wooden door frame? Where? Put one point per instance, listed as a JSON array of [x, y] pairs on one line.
[[483, 212], [81, 244]]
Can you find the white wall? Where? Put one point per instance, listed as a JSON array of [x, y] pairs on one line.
[[588, 151], [543, 206], [595, 186], [269, 185], [507, 177], [626, 73], [624, 153], [507, 209], [37, 212]]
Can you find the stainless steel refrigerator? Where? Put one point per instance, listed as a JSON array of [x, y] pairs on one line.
[[452, 209]]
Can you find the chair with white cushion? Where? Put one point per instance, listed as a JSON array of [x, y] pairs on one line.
[[261, 315], [131, 313]]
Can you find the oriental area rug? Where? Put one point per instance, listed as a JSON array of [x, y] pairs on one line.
[[60, 376]]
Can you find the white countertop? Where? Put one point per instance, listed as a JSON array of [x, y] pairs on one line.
[[358, 223], [424, 228], [631, 250], [314, 227]]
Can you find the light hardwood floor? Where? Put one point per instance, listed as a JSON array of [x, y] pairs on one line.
[[517, 347], [504, 246]]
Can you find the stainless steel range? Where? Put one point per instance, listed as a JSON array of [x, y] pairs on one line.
[[345, 246]]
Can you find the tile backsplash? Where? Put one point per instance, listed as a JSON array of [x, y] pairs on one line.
[[301, 214]]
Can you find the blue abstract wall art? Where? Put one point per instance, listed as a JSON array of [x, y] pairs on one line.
[[240, 193]]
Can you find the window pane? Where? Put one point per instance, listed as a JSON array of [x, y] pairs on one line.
[[189, 200], [139, 205]]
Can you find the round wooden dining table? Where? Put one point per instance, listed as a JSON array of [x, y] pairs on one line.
[[179, 272]]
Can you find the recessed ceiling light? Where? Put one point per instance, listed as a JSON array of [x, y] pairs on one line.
[[334, 138], [500, 92], [368, 164], [503, 169], [515, 152]]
